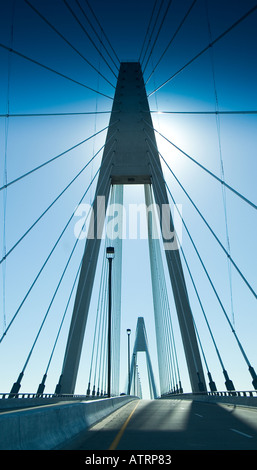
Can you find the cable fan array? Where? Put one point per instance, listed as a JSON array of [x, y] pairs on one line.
[[97, 382], [152, 54]]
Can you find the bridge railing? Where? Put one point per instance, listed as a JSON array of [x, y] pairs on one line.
[[10, 401], [231, 397], [248, 393], [226, 393], [50, 395]]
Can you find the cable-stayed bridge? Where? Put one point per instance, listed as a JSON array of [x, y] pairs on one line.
[[114, 218]]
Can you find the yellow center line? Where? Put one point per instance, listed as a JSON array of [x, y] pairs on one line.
[[117, 439]]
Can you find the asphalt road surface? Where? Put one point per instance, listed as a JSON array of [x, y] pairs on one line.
[[172, 425]]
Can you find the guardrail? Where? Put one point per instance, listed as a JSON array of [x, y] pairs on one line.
[[248, 393], [50, 395], [226, 393], [229, 397]]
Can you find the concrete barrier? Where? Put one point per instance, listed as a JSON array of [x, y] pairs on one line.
[[47, 427], [33, 400]]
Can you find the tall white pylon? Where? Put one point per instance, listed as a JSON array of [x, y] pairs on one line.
[[130, 157], [141, 345]]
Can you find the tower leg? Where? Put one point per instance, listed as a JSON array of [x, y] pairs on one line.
[[181, 299], [84, 290]]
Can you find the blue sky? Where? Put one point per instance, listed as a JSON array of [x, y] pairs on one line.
[[29, 141]]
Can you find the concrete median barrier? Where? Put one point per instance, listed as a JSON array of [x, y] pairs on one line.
[[46, 427]]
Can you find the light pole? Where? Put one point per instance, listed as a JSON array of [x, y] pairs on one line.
[[128, 332], [109, 256]]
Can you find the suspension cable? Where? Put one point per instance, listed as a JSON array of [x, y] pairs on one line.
[[148, 29], [107, 170], [157, 299], [52, 159], [153, 29], [88, 35], [167, 328], [221, 36], [102, 332], [172, 39], [13, 115], [5, 179], [96, 33], [201, 305], [52, 203], [95, 350], [203, 311], [228, 382], [19, 54], [206, 223], [49, 256], [203, 353], [203, 112], [223, 189], [205, 169], [208, 276], [53, 297], [179, 296], [158, 33], [51, 302], [160, 302], [62, 321], [102, 31], [104, 358], [67, 42], [47, 259]]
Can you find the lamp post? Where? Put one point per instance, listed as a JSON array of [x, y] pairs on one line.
[[109, 256], [128, 332]]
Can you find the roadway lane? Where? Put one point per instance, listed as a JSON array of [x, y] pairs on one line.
[[172, 425]]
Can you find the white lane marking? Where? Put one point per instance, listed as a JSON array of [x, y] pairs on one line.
[[242, 433], [200, 416]]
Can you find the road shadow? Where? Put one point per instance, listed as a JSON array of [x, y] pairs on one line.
[[175, 425]]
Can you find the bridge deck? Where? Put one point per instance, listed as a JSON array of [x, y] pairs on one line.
[[172, 425]]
